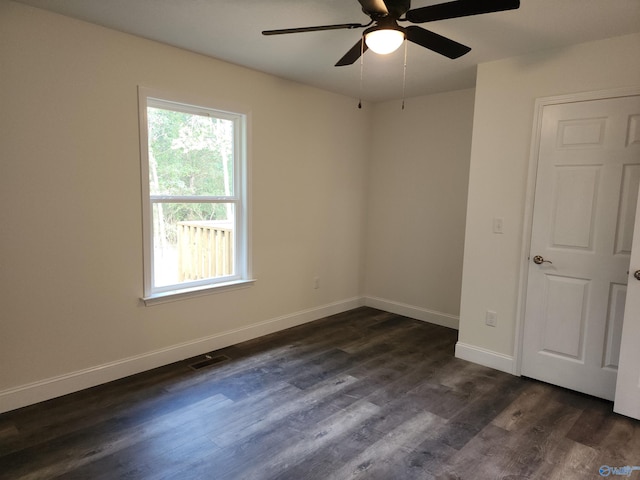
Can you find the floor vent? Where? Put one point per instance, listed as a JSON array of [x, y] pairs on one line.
[[207, 361]]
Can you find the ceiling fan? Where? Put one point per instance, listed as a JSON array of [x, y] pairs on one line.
[[385, 15]]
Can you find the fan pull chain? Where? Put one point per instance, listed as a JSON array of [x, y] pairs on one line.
[[404, 73], [361, 69]]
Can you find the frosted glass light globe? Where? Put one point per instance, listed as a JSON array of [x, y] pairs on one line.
[[384, 41]]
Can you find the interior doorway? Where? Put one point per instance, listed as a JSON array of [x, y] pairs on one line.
[[581, 235]]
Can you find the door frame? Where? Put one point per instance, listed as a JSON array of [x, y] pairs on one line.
[[527, 224]]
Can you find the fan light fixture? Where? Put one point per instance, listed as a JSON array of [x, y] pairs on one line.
[[384, 40]]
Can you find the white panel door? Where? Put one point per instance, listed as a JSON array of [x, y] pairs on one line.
[[582, 236], [627, 400]]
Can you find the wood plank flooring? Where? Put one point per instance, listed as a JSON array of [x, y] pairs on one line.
[[360, 395]]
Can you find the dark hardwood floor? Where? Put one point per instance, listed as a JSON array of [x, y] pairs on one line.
[[360, 395]]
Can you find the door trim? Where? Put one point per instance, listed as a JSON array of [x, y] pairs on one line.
[[527, 223]]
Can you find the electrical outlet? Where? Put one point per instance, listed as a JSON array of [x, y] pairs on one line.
[[316, 283], [491, 318], [498, 225]]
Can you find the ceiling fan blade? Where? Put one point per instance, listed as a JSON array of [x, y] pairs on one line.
[[374, 7], [318, 28], [353, 54], [385, 8], [397, 8], [459, 8], [437, 43]]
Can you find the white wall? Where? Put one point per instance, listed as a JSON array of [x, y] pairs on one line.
[[504, 106], [416, 205], [70, 205]]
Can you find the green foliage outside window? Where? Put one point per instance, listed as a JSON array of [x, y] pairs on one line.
[[189, 155]]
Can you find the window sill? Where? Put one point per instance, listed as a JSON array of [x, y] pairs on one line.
[[184, 294]]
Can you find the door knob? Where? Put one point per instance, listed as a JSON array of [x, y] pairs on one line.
[[538, 260], [637, 274]]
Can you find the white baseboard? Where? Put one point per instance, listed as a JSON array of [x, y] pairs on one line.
[[35, 392], [418, 313], [488, 358]]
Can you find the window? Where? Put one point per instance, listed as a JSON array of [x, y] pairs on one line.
[[194, 197]]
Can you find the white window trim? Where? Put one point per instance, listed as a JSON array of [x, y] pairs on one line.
[[242, 276]]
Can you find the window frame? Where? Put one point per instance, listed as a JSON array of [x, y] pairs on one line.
[[239, 199]]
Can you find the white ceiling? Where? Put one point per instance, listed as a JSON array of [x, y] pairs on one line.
[[231, 30]]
